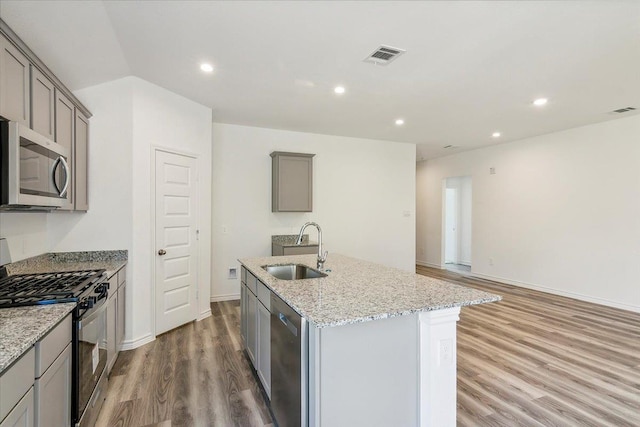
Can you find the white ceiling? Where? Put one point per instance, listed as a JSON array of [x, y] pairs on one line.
[[471, 68]]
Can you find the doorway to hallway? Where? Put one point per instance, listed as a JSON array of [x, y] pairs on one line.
[[457, 224]]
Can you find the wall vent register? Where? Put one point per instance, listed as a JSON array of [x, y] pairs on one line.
[[384, 55]]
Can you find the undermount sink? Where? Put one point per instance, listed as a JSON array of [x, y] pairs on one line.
[[293, 272]]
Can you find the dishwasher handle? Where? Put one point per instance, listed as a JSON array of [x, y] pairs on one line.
[[290, 326]]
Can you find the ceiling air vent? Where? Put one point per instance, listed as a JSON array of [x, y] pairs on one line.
[[384, 55], [622, 110]]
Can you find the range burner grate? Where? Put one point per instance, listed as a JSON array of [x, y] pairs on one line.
[[46, 288]]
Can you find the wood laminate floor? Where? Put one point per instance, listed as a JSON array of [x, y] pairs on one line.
[[533, 359]]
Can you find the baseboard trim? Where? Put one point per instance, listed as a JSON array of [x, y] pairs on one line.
[[131, 344], [574, 295], [224, 297], [204, 315], [429, 264]]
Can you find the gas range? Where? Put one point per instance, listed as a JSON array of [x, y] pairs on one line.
[[51, 288]]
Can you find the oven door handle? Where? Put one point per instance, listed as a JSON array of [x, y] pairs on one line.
[[94, 313]]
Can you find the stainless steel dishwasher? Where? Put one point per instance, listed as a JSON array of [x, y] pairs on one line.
[[289, 365]]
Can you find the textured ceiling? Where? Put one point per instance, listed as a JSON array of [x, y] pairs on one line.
[[471, 68]]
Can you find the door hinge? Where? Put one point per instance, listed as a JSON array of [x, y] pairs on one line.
[[197, 294], [197, 234]]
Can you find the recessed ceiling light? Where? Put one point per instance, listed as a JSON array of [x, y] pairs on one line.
[[339, 90], [540, 102], [496, 134], [399, 122], [207, 68]]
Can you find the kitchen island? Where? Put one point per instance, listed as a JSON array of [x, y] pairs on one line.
[[381, 341]]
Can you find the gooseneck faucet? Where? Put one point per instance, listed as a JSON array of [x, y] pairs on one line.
[[322, 256]]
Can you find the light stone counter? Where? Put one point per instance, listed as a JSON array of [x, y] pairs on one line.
[[359, 291], [22, 327], [111, 261]]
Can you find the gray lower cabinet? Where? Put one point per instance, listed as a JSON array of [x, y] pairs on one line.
[[53, 393], [263, 367], [43, 101], [15, 383], [291, 182], [243, 313], [120, 316], [52, 385], [116, 316], [22, 415], [112, 352], [255, 326], [279, 250], [252, 326], [14, 83]]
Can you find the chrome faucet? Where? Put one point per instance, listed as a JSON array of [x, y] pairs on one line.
[[322, 256]]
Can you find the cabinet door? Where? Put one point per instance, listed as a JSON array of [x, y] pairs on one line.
[[81, 161], [243, 314], [43, 100], [264, 347], [292, 182], [111, 330], [14, 83], [64, 115], [252, 327], [120, 313], [22, 414], [53, 393]]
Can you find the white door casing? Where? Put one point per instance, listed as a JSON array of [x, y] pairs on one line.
[[176, 247]]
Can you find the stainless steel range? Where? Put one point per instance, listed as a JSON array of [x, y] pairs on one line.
[[89, 290]]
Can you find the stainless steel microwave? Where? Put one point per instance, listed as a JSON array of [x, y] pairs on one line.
[[34, 172]]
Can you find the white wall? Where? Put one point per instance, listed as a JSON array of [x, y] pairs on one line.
[[130, 118], [361, 190], [561, 214]]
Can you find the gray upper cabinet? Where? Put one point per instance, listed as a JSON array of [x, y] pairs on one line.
[[14, 83], [64, 118], [81, 190], [43, 100], [292, 182]]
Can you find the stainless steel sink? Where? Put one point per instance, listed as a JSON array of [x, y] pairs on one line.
[[293, 272]]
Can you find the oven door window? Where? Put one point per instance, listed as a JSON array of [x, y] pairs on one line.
[[40, 170], [92, 352]]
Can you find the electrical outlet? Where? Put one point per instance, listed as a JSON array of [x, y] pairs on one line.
[[233, 273]]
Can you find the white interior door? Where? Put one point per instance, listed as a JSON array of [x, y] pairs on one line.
[[176, 240]]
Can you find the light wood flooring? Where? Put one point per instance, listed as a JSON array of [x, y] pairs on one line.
[[533, 359]]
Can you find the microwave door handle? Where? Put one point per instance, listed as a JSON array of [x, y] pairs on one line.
[[67, 174], [53, 173]]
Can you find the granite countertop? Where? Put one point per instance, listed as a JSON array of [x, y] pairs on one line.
[[359, 291], [288, 240], [111, 261], [22, 327]]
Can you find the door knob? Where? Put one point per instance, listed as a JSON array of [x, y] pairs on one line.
[[162, 252]]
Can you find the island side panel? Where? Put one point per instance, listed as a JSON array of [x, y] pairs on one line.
[[364, 374], [437, 335]]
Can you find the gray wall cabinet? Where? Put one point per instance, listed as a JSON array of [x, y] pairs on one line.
[[64, 135], [81, 157], [14, 83], [292, 182], [32, 95], [43, 101]]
